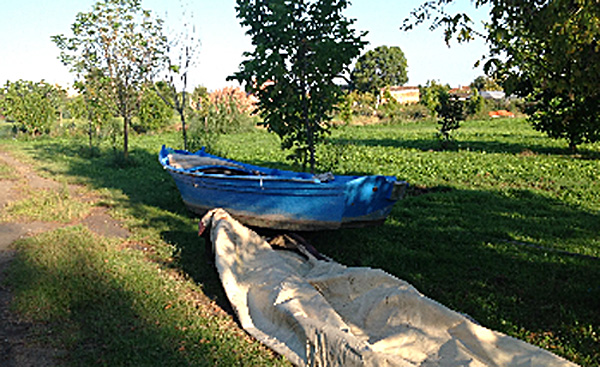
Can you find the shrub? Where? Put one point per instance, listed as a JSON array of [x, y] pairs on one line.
[[451, 112], [154, 114], [223, 112], [33, 106], [363, 104], [394, 112]]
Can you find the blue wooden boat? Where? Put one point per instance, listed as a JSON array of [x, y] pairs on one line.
[[279, 199]]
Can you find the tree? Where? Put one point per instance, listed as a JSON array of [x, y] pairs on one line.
[[431, 94], [379, 68], [154, 113], [95, 111], [120, 46], [181, 56], [32, 105], [483, 82], [545, 51], [451, 112], [301, 47]]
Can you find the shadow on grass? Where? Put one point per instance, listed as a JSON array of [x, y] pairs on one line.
[[145, 192], [472, 145], [453, 245], [110, 308], [467, 250]]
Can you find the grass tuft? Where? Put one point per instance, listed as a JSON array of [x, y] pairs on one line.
[[7, 172], [46, 206]]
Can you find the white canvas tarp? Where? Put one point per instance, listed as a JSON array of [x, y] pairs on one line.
[[321, 313]]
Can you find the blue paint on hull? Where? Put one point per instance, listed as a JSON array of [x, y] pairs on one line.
[[278, 199]]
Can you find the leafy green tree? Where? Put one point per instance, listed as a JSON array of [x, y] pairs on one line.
[[546, 51], [431, 93], [33, 106], [154, 113], [95, 111], [301, 47], [476, 104], [121, 46], [484, 82], [451, 112], [379, 68]]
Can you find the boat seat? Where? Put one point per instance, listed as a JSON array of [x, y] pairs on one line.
[[223, 170], [187, 161]]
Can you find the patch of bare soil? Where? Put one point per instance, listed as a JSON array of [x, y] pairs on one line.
[[18, 345]]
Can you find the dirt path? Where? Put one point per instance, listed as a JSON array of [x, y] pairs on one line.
[[18, 347]]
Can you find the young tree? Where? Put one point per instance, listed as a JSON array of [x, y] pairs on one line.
[[379, 68], [181, 56], [431, 94], [121, 46], [451, 112], [547, 51], [300, 48]]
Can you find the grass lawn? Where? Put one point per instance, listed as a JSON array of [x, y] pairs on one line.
[[504, 227]]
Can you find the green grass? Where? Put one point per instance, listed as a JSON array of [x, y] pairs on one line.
[[7, 172], [107, 305], [503, 226], [46, 206]]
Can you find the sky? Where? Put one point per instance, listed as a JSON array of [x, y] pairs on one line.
[[27, 52]]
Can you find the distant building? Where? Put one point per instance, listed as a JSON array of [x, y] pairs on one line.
[[403, 95], [492, 94], [461, 93]]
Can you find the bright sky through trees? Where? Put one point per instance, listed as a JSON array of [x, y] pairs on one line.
[[28, 53]]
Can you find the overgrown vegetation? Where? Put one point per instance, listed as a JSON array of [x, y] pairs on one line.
[[502, 226], [224, 111]]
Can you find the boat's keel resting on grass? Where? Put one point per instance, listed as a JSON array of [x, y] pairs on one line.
[[279, 199]]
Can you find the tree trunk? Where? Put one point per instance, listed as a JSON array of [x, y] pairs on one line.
[[307, 123], [182, 114], [126, 119], [183, 131]]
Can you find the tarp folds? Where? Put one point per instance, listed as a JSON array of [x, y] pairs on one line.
[[320, 313]]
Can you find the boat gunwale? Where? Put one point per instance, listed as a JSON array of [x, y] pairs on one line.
[[313, 181]]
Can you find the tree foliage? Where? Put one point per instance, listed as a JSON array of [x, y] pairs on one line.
[[34, 106], [300, 48], [431, 93], [154, 113], [546, 51], [115, 48], [451, 112], [379, 68], [484, 82]]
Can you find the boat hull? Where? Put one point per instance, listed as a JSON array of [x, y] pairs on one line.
[[264, 203], [284, 200]]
